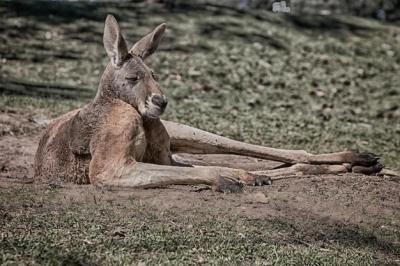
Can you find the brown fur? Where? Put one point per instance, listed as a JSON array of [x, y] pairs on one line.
[[118, 139]]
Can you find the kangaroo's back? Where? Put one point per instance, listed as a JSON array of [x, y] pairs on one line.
[[54, 160]]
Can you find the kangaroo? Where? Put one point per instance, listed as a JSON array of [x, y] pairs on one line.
[[118, 139]]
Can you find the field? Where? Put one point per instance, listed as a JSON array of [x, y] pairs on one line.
[[317, 83]]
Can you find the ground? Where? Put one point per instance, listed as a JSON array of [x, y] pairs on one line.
[[316, 83]]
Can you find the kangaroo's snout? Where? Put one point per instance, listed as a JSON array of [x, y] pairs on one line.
[[155, 105], [159, 100]]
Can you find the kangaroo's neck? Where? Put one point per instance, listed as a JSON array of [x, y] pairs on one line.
[[150, 124], [104, 90]]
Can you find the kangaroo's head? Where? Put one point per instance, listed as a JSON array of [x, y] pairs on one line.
[[127, 77]]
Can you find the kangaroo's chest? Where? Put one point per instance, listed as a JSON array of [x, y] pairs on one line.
[[151, 147], [139, 147]]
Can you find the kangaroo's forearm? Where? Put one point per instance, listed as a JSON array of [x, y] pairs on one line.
[[144, 175]]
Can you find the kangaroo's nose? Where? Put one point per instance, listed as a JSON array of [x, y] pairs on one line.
[[159, 100]]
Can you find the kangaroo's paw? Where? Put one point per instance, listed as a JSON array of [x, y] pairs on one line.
[[229, 185]]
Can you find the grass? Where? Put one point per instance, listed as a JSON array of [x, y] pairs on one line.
[[114, 230]]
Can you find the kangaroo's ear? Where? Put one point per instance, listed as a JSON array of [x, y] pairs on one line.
[[114, 42], [149, 43]]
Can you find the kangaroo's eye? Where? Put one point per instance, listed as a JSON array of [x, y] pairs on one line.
[[154, 76], [133, 79]]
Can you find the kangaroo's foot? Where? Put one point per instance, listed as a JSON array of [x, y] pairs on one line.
[[298, 170], [367, 170], [356, 158], [351, 157]]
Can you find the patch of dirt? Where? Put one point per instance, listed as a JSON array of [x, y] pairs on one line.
[[21, 124], [19, 137], [16, 157]]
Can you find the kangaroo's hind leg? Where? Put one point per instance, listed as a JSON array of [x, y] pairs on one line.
[[186, 139], [227, 160]]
